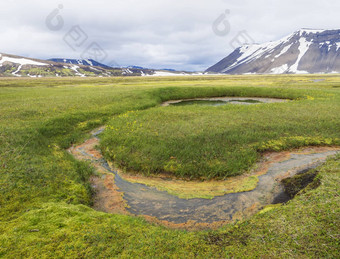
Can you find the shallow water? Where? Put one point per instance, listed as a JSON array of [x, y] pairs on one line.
[[218, 101], [215, 102], [145, 200]]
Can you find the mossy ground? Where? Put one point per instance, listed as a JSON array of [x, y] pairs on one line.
[[45, 196]]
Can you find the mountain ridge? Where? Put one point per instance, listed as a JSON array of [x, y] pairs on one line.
[[12, 65], [84, 62], [306, 51], [18, 66]]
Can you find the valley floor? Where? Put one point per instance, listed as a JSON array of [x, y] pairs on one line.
[[46, 196]]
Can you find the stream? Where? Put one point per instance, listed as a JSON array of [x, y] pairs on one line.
[[140, 199]]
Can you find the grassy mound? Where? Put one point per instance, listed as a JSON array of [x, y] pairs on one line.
[[217, 142]]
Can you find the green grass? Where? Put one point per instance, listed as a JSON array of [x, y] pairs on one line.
[[45, 196], [217, 142]]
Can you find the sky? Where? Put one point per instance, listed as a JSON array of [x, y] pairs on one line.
[[188, 35]]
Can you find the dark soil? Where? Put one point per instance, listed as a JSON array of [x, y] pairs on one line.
[[293, 185]]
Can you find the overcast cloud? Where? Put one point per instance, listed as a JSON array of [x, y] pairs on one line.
[[156, 33]]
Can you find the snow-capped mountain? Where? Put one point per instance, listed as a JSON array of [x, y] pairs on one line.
[[11, 65], [84, 62], [304, 51]]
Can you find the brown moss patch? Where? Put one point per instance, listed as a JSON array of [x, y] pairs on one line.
[[189, 225], [107, 198]]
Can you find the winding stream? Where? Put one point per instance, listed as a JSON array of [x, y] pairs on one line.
[[140, 199]]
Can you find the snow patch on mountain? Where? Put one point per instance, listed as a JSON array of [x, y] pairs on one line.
[[303, 48], [163, 73], [15, 73], [75, 69], [20, 61], [247, 52], [283, 51], [279, 70]]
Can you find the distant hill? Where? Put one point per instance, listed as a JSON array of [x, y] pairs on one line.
[[304, 51], [84, 62], [12, 65]]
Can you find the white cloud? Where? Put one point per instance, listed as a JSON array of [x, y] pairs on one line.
[[161, 34]]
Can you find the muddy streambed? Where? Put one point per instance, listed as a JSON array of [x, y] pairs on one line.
[[218, 101], [114, 194]]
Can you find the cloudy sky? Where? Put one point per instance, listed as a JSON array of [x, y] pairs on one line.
[[181, 34]]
